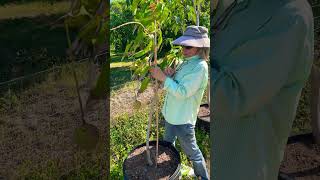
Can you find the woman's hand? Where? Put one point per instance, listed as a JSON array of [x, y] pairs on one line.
[[169, 71], [157, 73]]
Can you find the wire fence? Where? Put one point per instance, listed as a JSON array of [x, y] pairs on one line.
[[20, 83]]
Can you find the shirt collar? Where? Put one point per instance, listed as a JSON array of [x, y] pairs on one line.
[[192, 58], [188, 60]]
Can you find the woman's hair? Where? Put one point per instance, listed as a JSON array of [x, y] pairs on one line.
[[203, 52]]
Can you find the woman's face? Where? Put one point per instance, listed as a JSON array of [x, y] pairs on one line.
[[188, 51]]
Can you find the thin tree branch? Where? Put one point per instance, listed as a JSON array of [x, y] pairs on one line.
[[133, 22]]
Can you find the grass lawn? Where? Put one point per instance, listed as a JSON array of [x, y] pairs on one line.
[[120, 64], [32, 9]]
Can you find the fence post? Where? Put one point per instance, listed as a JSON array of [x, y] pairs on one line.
[[315, 103]]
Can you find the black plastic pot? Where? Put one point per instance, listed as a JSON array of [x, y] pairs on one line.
[[308, 137], [203, 122], [283, 176], [176, 175], [305, 139]]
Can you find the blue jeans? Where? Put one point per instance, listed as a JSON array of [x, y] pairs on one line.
[[187, 139]]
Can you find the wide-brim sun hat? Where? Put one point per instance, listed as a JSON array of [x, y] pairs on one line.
[[195, 36]]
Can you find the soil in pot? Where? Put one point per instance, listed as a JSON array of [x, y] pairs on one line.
[[302, 158], [204, 117], [204, 111], [136, 165]]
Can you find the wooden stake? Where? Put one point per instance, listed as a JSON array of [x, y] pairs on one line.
[[156, 92], [154, 104], [148, 133]]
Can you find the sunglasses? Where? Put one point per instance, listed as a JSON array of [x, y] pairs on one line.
[[187, 47]]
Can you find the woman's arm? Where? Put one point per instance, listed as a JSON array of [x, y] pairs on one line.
[[188, 85], [185, 87]]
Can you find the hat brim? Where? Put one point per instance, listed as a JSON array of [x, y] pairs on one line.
[[192, 41]]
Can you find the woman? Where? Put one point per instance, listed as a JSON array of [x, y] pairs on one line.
[[185, 87]]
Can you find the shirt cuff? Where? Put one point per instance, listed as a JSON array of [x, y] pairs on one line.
[[167, 82]]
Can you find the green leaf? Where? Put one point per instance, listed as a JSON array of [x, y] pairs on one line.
[[127, 50], [77, 21], [164, 15], [138, 41], [145, 71], [144, 84], [192, 15], [134, 6], [88, 32], [163, 64], [147, 20], [101, 37], [167, 61], [141, 71], [159, 43], [135, 65], [91, 5], [76, 8], [101, 88], [140, 53]]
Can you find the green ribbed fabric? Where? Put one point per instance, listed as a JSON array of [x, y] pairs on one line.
[[261, 60]]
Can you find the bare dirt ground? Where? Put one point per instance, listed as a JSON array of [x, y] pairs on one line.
[[37, 132], [122, 101]]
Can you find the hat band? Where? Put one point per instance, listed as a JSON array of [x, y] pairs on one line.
[[196, 35]]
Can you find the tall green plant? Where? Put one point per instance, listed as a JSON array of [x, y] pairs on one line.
[[177, 15], [172, 18], [88, 19]]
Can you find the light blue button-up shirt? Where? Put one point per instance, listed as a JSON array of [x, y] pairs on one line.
[[185, 91]]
